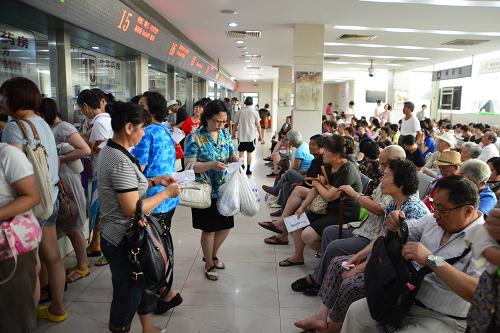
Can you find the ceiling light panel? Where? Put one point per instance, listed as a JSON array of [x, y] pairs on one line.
[[359, 63], [403, 47], [350, 55], [454, 3], [232, 24], [422, 31]]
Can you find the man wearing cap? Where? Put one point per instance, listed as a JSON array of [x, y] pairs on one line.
[[247, 121], [410, 124], [489, 149], [449, 164], [444, 142]]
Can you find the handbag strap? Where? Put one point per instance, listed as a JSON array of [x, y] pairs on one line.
[[12, 246]]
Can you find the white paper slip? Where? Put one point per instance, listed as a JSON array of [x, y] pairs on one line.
[[184, 177], [293, 222], [178, 135], [232, 167]]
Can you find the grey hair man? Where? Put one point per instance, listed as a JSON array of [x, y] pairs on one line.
[[489, 150], [479, 172], [469, 151]]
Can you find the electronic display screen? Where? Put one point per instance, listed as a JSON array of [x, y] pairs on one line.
[[114, 20]]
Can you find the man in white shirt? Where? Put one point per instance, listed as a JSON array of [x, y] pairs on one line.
[[489, 149], [350, 111], [247, 121], [442, 302], [379, 109], [410, 124]]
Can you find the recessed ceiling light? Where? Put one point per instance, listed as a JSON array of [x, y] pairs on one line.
[[423, 31], [233, 78], [462, 3], [240, 42], [232, 24], [348, 55], [95, 47], [404, 47], [229, 11], [248, 60], [149, 65]]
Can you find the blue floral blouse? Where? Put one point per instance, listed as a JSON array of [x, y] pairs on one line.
[[413, 207], [202, 146]]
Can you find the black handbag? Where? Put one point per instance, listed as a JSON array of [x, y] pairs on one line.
[[150, 250]]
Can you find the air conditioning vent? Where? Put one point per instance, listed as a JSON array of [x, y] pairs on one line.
[[251, 56], [332, 58], [254, 68], [400, 61], [242, 34], [466, 42], [357, 37]]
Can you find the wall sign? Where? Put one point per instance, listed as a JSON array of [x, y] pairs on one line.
[[489, 66], [17, 53], [114, 20], [452, 73]]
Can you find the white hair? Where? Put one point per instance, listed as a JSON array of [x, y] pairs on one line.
[[395, 152], [473, 148], [294, 137], [475, 170]]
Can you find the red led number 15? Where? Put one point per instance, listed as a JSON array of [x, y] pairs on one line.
[[125, 21]]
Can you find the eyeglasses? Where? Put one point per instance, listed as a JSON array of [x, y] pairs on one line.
[[442, 212], [219, 122]]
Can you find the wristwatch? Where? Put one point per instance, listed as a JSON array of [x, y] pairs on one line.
[[435, 261]]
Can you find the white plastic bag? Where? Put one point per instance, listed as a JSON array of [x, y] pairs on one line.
[[249, 196], [228, 201]]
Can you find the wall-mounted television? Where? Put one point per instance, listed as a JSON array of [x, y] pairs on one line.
[[372, 96]]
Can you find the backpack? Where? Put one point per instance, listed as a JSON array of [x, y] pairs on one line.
[[391, 282], [38, 158]]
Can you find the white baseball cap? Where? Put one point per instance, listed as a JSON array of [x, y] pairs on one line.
[[172, 102]]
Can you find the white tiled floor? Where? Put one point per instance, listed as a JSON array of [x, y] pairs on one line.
[[253, 293]]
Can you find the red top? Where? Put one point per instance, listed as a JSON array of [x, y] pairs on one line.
[[189, 125]]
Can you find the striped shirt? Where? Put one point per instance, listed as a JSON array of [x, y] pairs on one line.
[[117, 172], [373, 224], [434, 293]]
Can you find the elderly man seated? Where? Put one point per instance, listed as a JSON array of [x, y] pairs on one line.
[[489, 149], [443, 300]]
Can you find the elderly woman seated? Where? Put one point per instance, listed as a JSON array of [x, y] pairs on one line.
[[343, 173], [470, 150], [341, 286], [479, 172]]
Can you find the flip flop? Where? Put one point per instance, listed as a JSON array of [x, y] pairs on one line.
[[273, 240], [76, 274], [44, 313], [219, 264], [91, 253], [270, 226], [211, 274], [288, 263], [102, 261]]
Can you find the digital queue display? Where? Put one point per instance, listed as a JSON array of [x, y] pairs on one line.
[[114, 20]]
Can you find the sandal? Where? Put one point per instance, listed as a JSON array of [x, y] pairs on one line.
[[76, 274], [44, 313], [274, 240], [219, 264], [91, 253], [211, 274], [301, 285], [288, 263], [270, 226], [102, 261]]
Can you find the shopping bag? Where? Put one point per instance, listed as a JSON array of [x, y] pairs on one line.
[[249, 196], [228, 201]]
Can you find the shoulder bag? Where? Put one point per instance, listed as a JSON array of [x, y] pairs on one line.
[[318, 205], [68, 210], [18, 236], [38, 158], [197, 194], [150, 251]]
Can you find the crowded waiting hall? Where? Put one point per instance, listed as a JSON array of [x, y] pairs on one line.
[[199, 166]]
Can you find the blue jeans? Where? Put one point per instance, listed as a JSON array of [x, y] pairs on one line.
[[127, 299]]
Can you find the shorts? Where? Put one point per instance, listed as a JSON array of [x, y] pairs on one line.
[[52, 218], [247, 146]]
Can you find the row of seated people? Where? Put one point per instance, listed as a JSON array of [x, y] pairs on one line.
[[437, 226]]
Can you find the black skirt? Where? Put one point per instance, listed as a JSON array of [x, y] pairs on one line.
[[210, 220]]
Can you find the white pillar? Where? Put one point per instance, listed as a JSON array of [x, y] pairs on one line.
[[285, 89]]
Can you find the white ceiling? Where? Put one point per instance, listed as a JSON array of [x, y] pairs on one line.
[[202, 22]]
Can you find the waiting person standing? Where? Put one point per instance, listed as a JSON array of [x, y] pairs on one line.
[[379, 109], [385, 117], [350, 112], [265, 117], [422, 114], [328, 111], [209, 150], [247, 121], [410, 124]]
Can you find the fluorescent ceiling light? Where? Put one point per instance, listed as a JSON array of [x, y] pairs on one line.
[[404, 47], [423, 31], [149, 65], [232, 24], [359, 63], [239, 42], [95, 47], [349, 55], [248, 60], [461, 3], [233, 78], [43, 50]]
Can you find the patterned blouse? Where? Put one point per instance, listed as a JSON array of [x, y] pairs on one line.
[[202, 146], [413, 207]]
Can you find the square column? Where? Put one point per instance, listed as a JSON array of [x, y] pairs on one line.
[[285, 91], [308, 77]]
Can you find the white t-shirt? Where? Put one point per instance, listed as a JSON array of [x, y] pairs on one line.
[[14, 166], [247, 118], [410, 126], [101, 128], [488, 152]]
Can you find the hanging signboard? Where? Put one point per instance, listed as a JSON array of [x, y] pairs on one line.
[[17, 53]]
